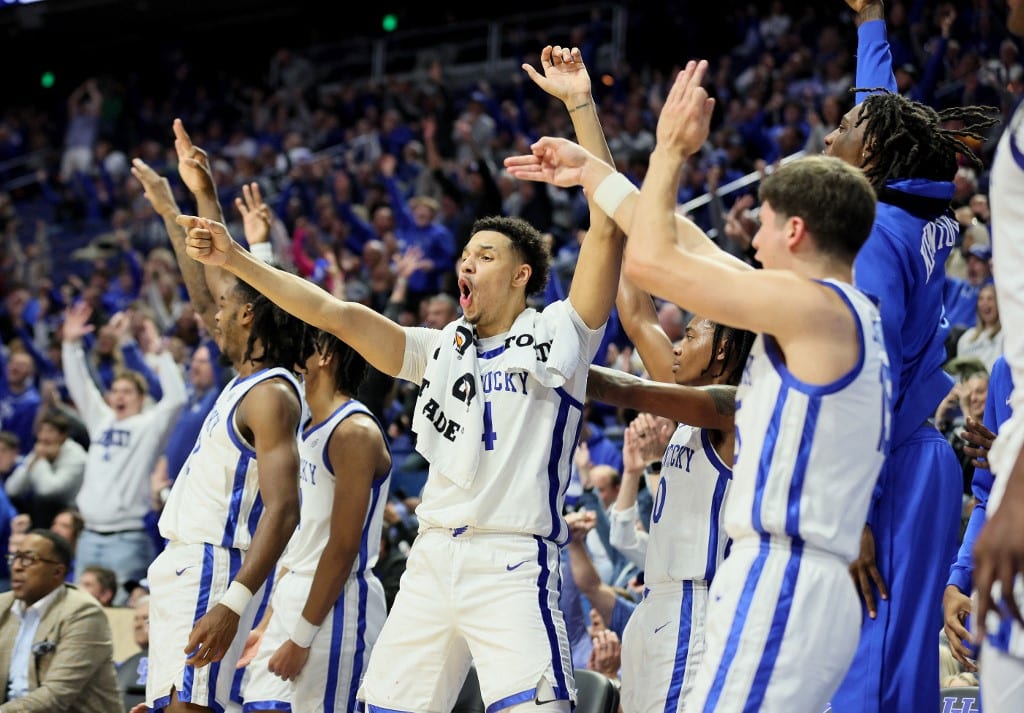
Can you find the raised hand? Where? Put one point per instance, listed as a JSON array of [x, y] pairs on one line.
[[193, 163], [685, 120], [76, 322], [564, 76], [207, 241], [256, 216], [155, 187], [867, 9], [557, 161]]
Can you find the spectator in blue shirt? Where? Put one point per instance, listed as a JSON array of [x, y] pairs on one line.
[[19, 398]]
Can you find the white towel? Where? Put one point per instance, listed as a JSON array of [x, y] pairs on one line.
[[449, 416]]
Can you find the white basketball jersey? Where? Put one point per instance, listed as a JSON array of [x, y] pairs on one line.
[[809, 455], [530, 432], [215, 498], [317, 480], [1007, 195], [687, 539]]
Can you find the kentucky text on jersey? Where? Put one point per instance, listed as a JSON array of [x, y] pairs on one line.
[[678, 456], [513, 382], [938, 234], [307, 472]]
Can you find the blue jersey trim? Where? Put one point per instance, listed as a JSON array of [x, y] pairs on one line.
[[773, 644], [771, 349], [732, 643], [715, 525], [767, 454], [803, 457], [544, 591], [675, 685], [513, 700]]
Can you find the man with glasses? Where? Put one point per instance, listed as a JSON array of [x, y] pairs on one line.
[[56, 649]]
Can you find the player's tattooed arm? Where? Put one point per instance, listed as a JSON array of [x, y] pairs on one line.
[[724, 398]]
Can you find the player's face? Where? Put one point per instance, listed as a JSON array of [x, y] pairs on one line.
[[313, 368], [770, 240], [846, 141], [490, 274], [692, 354], [231, 335]]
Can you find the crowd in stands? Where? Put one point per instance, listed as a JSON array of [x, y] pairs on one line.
[[373, 189]]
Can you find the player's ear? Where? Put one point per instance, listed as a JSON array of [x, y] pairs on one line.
[[522, 275]]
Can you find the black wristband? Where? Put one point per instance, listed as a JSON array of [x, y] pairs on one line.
[[653, 468]]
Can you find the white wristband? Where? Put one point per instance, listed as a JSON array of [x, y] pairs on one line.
[[237, 598], [611, 191], [262, 251], [303, 633]]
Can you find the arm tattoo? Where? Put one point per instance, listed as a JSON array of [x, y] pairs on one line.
[[724, 398]]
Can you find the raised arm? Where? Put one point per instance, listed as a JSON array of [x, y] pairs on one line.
[[379, 340], [561, 162], [157, 190], [88, 398], [874, 56], [195, 171], [596, 278], [797, 311], [565, 77]]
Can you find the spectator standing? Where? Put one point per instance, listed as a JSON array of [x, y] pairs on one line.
[[19, 398], [125, 441], [910, 534]]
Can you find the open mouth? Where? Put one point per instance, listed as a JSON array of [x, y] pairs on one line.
[[465, 292]]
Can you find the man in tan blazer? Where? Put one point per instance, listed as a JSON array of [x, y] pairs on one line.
[[56, 652]]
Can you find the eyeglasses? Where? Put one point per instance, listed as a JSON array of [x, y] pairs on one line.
[[27, 559]]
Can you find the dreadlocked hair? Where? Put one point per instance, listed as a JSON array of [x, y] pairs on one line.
[[349, 365], [282, 336], [737, 347], [906, 139]]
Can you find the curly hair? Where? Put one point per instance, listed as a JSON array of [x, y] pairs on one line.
[[283, 337], [907, 139], [349, 365], [528, 243]]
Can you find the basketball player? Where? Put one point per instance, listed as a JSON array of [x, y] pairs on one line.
[[664, 637], [236, 500], [910, 537], [497, 417], [800, 493], [329, 608], [997, 551]]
